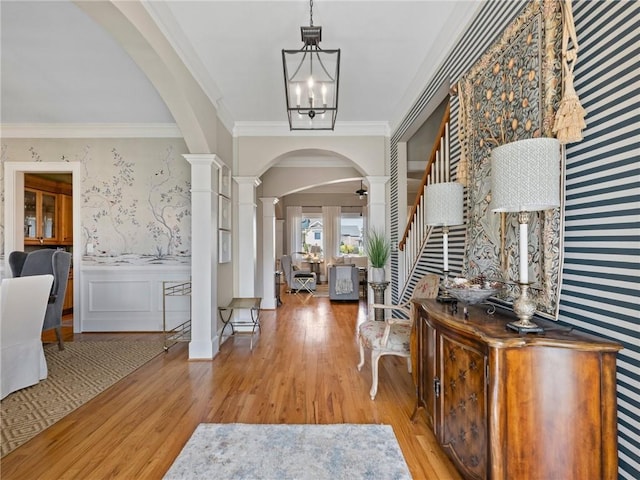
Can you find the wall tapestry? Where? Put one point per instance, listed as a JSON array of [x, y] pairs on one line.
[[511, 94]]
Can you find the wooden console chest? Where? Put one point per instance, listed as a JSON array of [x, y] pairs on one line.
[[505, 405]]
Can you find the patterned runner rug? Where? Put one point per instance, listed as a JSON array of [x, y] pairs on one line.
[[282, 452], [76, 374]]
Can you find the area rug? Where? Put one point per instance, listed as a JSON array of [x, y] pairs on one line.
[[314, 452], [76, 374]]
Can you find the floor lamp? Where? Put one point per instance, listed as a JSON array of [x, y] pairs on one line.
[[444, 208], [525, 177]]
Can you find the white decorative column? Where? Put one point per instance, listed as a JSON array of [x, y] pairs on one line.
[[378, 213], [246, 253], [204, 254], [377, 203], [268, 251]]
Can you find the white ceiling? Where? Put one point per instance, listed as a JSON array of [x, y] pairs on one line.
[[59, 66]]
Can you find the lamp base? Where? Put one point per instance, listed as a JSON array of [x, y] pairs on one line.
[[446, 298], [524, 307], [443, 295], [524, 327]]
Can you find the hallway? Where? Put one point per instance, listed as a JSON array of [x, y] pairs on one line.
[[302, 370]]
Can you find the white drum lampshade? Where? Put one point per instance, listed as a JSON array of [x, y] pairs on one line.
[[525, 175], [444, 204]]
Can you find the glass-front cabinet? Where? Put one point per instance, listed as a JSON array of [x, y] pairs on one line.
[[40, 217]]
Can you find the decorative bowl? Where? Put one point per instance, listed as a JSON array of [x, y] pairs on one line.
[[470, 292]]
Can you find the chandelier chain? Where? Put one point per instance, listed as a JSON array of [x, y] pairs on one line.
[[311, 13]]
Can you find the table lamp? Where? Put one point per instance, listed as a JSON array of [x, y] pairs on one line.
[[525, 177], [444, 208]]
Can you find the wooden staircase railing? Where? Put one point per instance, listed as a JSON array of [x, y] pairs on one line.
[[416, 233]]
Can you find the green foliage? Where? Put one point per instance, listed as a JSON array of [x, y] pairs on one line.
[[378, 248], [349, 249]]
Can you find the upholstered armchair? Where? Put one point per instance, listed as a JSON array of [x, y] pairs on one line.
[[42, 262], [23, 302], [394, 336], [344, 282], [297, 279]]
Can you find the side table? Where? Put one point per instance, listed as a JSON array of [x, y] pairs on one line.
[[241, 303], [378, 297]]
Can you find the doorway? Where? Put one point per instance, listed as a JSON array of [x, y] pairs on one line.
[[14, 216]]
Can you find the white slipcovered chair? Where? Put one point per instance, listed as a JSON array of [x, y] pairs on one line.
[[297, 279], [394, 335], [23, 303]]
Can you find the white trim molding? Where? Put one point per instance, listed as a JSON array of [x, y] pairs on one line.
[[90, 130], [281, 129]]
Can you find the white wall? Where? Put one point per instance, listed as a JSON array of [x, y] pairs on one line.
[[257, 154]]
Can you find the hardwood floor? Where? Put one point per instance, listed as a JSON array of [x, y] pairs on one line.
[[302, 370]]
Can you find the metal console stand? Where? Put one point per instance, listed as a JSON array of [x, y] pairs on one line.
[[181, 332]]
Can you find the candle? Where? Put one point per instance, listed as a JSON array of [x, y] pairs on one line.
[[298, 93], [445, 245], [524, 257]]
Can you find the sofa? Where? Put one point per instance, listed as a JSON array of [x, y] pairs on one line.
[[344, 282]]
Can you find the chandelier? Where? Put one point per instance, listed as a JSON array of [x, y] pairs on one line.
[[361, 192], [311, 81]]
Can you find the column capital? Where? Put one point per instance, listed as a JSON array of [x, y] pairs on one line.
[[269, 206], [377, 179], [269, 200], [248, 180], [203, 159]]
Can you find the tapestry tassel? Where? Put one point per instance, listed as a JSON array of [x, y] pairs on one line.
[[462, 172], [569, 121]]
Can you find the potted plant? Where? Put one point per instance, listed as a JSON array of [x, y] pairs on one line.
[[378, 250]]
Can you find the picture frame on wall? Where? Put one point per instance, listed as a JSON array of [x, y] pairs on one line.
[[224, 246], [224, 181], [224, 213]]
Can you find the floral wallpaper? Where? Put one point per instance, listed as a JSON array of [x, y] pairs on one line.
[[135, 195]]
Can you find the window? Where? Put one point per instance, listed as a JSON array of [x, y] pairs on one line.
[[351, 229], [311, 233]]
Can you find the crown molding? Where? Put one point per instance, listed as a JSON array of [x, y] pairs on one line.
[[281, 129], [90, 130]]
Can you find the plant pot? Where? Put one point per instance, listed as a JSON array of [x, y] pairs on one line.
[[377, 275]]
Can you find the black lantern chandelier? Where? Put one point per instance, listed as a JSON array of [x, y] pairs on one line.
[[311, 81]]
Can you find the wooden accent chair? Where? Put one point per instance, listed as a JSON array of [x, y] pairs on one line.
[[394, 336]]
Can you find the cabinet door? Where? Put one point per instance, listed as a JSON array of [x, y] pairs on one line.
[[40, 217], [49, 220], [428, 383], [66, 219], [462, 407], [30, 215]]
